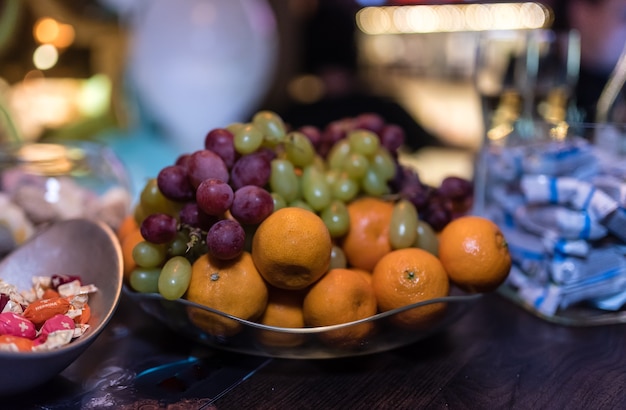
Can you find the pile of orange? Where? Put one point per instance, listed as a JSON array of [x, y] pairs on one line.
[[288, 279]]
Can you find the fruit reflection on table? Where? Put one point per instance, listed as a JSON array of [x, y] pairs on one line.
[[305, 229]]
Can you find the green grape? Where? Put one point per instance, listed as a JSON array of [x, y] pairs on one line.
[[145, 280], [235, 126], [248, 139], [319, 163], [283, 180], [383, 163], [178, 247], [279, 201], [426, 238], [315, 190], [152, 201], [271, 125], [299, 203], [374, 184], [363, 142], [299, 149], [356, 165], [345, 188], [337, 258], [338, 154], [336, 218], [139, 214], [174, 278], [332, 175], [403, 225], [149, 255]]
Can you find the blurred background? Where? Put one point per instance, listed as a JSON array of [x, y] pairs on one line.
[[152, 77]]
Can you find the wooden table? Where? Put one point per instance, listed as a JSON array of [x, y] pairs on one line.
[[497, 356]]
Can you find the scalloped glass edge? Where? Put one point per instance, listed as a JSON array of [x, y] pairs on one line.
[[393, 337], [578, 315]]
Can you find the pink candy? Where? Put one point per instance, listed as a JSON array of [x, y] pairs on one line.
[[16, 325], [43, 324]]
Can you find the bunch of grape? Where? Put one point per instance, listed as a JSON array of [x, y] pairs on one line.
[[436, 205], [211, 200]]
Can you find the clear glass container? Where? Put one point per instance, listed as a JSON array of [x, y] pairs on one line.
[[559, 195], [42, 183], [307, 342]]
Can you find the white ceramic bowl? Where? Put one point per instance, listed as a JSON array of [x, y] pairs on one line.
[[77, 247]]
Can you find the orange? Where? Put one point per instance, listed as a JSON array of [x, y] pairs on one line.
[[341, 296], [475, 254], [367, 275], [234, 287], [128, 243], [407, 276], [127, 226], [367, 239], [291, 248], [284, 309]]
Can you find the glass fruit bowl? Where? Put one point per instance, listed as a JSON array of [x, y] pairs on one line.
[[302, 343]]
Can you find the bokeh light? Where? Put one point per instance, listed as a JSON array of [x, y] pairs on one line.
[[452, 18]]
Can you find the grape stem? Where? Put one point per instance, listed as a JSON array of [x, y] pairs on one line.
[[195, 237]]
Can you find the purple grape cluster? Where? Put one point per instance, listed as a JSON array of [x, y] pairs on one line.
[[435, 205], [218, 190]]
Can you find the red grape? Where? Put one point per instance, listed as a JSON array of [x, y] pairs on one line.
[[226, 239], [437, 212], [214, 196], [267, 153], [405, 177], [251, 205], [336, 131], [416, 195], [192, 215], [182, 160], [174, 184], [251, 169], [159, 228], [369, 121], [313, 134], [206, 164], [392, 137], [220, 141], [456, 188]]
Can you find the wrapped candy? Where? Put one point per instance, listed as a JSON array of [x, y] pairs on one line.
[[31, 321], [561, 205]]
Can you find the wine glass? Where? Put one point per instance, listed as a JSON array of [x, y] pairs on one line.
[[551, 67], [527, 78]]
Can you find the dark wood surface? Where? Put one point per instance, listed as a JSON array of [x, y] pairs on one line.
[[497, 356]]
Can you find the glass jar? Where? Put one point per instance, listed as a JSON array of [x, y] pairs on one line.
[[42, 183], [560, 200]]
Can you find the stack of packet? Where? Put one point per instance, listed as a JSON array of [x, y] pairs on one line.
[[562, 207]]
